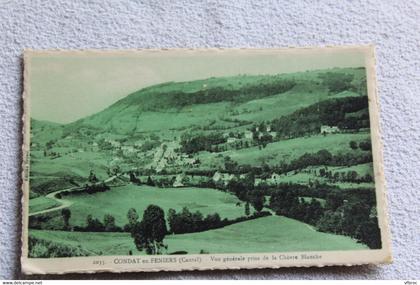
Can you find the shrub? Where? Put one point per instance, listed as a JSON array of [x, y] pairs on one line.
[[40, 248]]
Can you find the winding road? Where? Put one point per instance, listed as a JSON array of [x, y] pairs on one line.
[[64, 203]]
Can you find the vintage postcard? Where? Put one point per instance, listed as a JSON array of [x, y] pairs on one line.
[[201, 159]]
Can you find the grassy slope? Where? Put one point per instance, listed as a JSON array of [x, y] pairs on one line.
[[130, 119], [263, 235], [41, 203], [269, 234], [127, 119], [48, 175], [272, 107], [44, 131], [155, 107], [304, 177], [361, 169], [309, 199], [74, 164], [287, 150], [120, 199]]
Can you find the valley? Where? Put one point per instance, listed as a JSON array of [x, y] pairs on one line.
[[264, 163]]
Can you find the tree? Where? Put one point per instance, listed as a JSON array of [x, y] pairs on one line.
[[92, 177], [109, 223], [257, 200], [330, 221], [247, 211], [365, 145], [353, 145], [265, 139], [93, 224], [370, 233], [352, 176], [117, 170], [230, 165], [173, 221], [337, 82], [132, 217], [150, 181], [49, 144], [66, 213], [150, 232], [333, 201], [134, 179]]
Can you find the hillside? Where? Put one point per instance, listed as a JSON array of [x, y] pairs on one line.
[[269, 234], [159, 115], [209, 153], [176, 105]]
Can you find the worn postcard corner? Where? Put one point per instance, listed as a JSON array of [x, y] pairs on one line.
[[183, 159]]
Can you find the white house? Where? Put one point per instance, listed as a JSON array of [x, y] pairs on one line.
[[249, 135], [128, 149], [231, 140], [114, 143], [275, 176], [222, 177], [217, 176], [329, 129], [274, 179]]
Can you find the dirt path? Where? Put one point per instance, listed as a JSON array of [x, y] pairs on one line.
[[310, 227], [64, 203]]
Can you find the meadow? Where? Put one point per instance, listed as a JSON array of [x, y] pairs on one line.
[[307, 174], [286, 150], [119, 200], [268, 234], [195, 129], [42, 203]]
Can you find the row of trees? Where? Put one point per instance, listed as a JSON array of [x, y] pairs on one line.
[[40, 248], [149, 233], [192, 143], [324, 157], [337, 82], [90, 189], [288, 203], [321, 157], [356, 219], [352, 213], [190, 222], [345, 176], [244, 92], [244, 188], [95, 225], [363, 145]]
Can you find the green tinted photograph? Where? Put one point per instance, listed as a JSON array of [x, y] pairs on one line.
[[199, 152]]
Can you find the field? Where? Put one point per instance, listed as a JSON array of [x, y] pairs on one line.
[[119, 200], [287, 150], [76, 164], [269, 234], [278, 105], [307, 174], [41, 203]]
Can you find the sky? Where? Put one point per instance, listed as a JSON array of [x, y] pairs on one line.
[[67, 86]]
